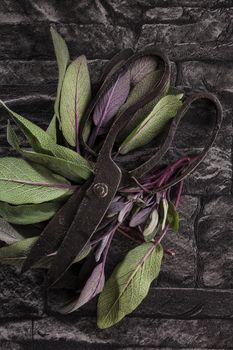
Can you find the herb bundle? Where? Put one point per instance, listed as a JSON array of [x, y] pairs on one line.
[[54, 177]]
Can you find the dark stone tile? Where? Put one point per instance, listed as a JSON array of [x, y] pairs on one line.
[[20, 295], [216, 76], [124, 12], [207, 4], [215, 243], [183, 245], [213, 175], [132, 332], [39, 72], [52, 11], [94, 40], [14, 333], [163, 14], [205, 37], [218, 206]]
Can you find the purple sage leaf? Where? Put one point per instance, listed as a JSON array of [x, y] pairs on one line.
[[93, 286], [115, 207], [125, 211], [102, 247], [111, 102]]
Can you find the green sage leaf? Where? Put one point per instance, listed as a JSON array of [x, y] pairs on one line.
[[153, 124], [23, 183], [129, 284], [41, 142], [8, 234], [69, 169], [52, 128], [62, 56], [145, 86], [15, 252], [75, 96], [173, 217], [28, 213], [141, 89]]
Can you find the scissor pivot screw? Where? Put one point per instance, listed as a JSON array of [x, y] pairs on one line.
[[101, 190]]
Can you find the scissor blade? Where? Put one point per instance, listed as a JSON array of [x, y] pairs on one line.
[[89, 215], [54, 233]]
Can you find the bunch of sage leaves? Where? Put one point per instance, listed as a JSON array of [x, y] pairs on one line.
[[36, 184]]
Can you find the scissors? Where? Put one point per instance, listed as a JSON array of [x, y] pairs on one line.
[[73, 226]]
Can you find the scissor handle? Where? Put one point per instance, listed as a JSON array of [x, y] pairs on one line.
[[152, 162], [107, 78], [119, 58], [123, 119]]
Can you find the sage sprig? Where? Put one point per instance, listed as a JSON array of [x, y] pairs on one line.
[[34, 186]]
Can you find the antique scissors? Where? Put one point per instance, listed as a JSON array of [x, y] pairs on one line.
[[72, 228]]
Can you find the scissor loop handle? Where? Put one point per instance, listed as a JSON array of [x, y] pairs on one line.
[[123, 119], [152, 162]]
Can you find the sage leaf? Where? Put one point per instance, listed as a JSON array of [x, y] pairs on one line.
[[111, 102], [173, 217], [52, 128], [83, 254], [116, 206], [41, 142], [141, 67], [125, 211], [129, 284], [102, 247], [8, 234], [139, 116], [141, 89], [62, 56], [28, 213], [23, 183], [93, 286], [139, 217], [109, 105], [16, 251], [150, 229], [75, 96], [153, 124], [164, 204], [69, 169]]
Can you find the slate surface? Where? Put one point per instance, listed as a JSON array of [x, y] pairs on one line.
[[191, 305]]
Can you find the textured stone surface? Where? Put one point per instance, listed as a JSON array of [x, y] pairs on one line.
[[144, 332], [18, 42], [205, 35], [214, 76], [20, 295], [38, 72], [183, 244], [190, 305], [215, 243], [16, 335]]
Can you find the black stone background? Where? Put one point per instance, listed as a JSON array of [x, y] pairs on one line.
[[191, 304]]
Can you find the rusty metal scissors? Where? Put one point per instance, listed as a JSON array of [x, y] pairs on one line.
[[72, 228]]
